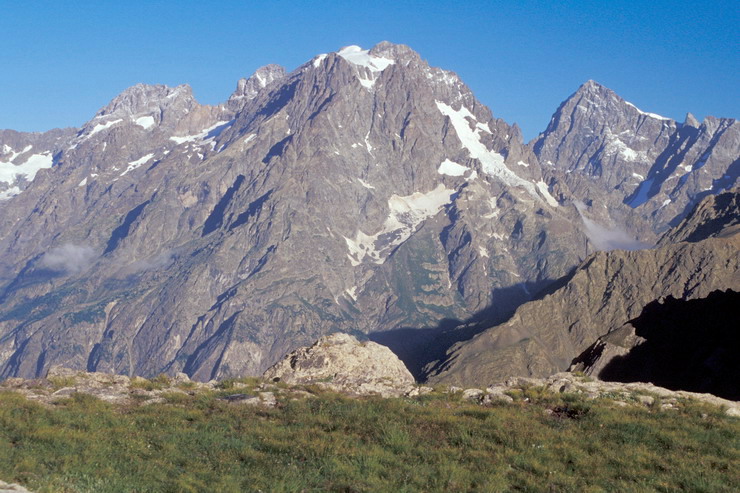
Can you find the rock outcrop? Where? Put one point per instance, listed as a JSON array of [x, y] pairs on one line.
[[622, 394], [340, 362], [12, 488]]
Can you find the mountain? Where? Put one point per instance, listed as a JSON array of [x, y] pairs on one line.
[[635, 173], [365, 191], [606, 293]]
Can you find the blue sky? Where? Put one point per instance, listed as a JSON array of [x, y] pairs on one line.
[[62, 61]]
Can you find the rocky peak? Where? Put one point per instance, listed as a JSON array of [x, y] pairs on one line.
[[398, 52], [148, 98], [247, 89], [691, 121]]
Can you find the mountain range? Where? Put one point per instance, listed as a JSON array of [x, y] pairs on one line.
[[364, 192]]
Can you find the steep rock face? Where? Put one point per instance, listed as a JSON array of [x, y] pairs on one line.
[[635, 170], [342, 363], [364, 191], [606, 291]]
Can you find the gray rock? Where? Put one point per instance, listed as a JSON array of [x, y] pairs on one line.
[[12, 488], [340, 362]]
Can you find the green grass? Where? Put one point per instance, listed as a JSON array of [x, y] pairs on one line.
[[333, 443]]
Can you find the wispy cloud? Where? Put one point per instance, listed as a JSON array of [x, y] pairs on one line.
[[69, 258], [606, 239], [159, 261]]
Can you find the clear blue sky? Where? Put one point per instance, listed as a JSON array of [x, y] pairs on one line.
[[61, 61]]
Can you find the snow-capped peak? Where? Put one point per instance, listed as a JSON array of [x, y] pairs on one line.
[[368, 66]]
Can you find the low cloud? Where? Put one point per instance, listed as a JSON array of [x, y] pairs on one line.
[[606, 239], [69, 258], [159, 261]]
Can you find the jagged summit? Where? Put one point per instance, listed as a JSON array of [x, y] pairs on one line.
[[247, 89], [147, 98], [691, 121]]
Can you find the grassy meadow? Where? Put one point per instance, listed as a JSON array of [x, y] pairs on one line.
[[329, 442]]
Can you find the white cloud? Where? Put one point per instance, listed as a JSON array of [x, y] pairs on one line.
[[606, 239], [69, 258]]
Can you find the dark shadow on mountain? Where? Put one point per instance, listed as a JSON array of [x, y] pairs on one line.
[[424, 349], [29, 275], [124, 228], [252, 210], [211, 345], [277, 149], [216, 218], [690, 345], [279, 99]]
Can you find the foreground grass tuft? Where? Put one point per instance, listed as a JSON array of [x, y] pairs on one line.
[[333, 443]]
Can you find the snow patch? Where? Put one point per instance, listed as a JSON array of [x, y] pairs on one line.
[[135, 164], [206, 134], [492, 162], [9, 193], [103, 126], [544, 190], [365, 184], [451, 168], [319, 58], [368, 66], [651, 115], [522, 163], [145, 122], [10, 172], [83, 182], [352, 292], [614, 146], [406, 213]]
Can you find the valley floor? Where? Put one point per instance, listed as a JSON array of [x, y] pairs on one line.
[[208, 439]]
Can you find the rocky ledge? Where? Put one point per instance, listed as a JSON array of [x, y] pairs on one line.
[[621, 394]]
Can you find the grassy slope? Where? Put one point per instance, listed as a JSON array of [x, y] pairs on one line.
[[332, 443]]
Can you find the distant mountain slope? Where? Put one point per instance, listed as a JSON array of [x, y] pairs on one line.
[[620, 160], [605, 292]]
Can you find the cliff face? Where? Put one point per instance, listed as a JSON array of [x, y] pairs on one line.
[[605, 292]]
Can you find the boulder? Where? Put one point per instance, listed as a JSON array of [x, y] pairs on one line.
[[342, 363]]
